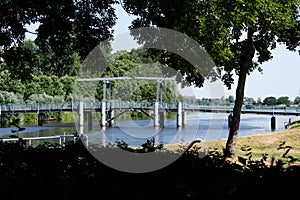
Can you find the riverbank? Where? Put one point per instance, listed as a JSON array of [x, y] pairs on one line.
[[258, 145]]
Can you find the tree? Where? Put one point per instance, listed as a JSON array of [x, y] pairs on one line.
[[249, 100], [64, 25], [239, 35], [231, 99], [23, 60], [297, 100], [132, 64], [283, 100], [7, 83], [10, 98], [270, 101], [27, 60], [258, 101]]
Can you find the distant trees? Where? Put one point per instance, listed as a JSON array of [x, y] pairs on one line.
[[297, 100], [270, 101], [231, 99], [283, 100]]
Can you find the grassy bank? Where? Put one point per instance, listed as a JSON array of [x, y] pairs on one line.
[[258, 145]]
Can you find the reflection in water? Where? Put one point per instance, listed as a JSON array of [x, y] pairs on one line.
[[204, 126]]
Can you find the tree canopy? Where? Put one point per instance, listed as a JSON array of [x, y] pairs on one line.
[[64, 26], [238, 35]]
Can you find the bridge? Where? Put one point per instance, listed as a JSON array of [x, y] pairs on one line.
[[154, 110]]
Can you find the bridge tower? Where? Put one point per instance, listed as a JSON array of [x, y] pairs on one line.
[[106, 89]]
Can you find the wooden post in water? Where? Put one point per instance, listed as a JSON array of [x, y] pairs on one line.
[[155, 113], [103, 116], [80, 118], [179, 114], [230, 117], [273, 123]]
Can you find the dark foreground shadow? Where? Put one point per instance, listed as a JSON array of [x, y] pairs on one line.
[[71, 172]]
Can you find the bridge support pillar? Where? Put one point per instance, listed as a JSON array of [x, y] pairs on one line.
[[161, 119], [111, 114], [3, 120], [40, 119], [80, 118], [90, 120], [103, 115], [183, 118], [155, 114], [179, 114]]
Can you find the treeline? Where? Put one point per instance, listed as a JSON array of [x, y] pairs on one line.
[[249, 101]]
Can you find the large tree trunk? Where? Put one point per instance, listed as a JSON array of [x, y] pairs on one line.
[[235, 124], [245, 60]]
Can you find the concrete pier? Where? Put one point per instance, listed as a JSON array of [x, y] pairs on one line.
[[80, 118], [179, 115], [103, 115], [155, 114]]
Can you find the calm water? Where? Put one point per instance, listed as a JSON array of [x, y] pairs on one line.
[[204, 126]]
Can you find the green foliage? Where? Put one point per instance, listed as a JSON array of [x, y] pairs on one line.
[[270, 101], [10, 98], [10, 84], [286, 149], [131, 64], [148, 146], [297, 100], [29, 118], [39, 98], [64, 26], [283, 100], [231, 99]]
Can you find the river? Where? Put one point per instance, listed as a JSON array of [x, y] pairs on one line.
[[204, 126]]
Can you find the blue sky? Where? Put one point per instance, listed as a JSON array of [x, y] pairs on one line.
[[280, 76]]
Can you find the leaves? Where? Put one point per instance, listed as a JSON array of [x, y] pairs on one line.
[[64, 26]]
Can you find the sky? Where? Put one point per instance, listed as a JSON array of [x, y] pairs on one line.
[[280, 76]]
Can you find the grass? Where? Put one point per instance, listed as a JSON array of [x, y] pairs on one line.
[[260, 144]]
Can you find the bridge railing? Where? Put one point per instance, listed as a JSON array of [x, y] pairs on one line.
[[61, 139], [128, 104]]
